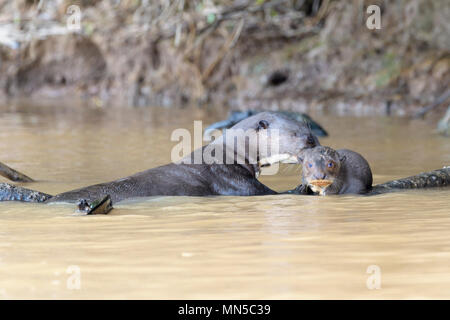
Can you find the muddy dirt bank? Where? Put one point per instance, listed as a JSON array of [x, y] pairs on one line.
[[289, 55]]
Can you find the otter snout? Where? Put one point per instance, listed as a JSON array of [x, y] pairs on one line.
[[320, 176]]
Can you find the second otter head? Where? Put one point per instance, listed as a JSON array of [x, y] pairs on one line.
[[321, 167], [278, 138]]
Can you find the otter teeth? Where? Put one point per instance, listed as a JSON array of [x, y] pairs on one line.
[[291, 159], [319, 186], [283, 158]]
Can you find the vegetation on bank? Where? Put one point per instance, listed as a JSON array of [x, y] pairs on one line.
[[260, 54]]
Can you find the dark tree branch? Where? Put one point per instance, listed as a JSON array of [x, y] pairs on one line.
[[436, 103], [12, 174]]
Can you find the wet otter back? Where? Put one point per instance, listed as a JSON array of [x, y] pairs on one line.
[[355, 173]]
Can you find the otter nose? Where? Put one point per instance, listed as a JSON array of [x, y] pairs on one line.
[[320, 176]]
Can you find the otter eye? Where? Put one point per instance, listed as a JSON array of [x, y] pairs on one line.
[[310, 141], [330, 164], [263, 124], [310, 165]]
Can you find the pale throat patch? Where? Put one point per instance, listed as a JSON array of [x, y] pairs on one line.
[[319, 186]]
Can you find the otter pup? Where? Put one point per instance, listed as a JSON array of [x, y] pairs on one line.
[[327, 171]]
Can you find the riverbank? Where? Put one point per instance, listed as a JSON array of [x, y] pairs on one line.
[[275, 55]]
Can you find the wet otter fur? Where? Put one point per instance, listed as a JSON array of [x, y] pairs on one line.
[[224, 178]]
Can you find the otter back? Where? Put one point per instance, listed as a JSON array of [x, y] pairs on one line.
[[355, 174]]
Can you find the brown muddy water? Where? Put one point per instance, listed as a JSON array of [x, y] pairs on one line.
[[271, 247]]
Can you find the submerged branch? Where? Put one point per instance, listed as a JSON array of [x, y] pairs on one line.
[[10, 192], [432, 179], [12, 174], [441, 99]]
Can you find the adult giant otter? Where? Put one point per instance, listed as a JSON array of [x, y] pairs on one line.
[[231, 169], [241, 178]]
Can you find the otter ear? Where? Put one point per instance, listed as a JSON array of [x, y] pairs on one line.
[[263, 124], [342, 159]]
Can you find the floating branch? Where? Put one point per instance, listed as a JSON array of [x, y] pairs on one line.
[[441, 99], [10, 192], [13, 175], [432, 179]]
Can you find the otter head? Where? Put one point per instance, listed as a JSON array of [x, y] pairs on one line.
[[321, 166], [271, 137]]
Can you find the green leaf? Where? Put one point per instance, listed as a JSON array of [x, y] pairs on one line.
[[210, 18]]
